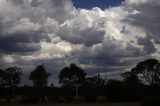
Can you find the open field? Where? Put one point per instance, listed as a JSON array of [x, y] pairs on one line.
[[82, 104]]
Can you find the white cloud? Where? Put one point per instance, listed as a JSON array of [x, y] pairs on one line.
[[8, 59], [24, 25]]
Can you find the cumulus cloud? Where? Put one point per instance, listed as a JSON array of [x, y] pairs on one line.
[[147, 16], [148, 45], [24, 25], [88, 36]]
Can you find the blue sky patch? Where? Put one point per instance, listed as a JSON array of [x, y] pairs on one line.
[[89, 4]]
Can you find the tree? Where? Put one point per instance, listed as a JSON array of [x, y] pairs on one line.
[[95, 81], [131, 79], [11, 76], [149, 71], [94, 86], [72, 75], [39, 76]]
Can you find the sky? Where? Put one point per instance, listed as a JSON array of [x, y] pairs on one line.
[[100, 36], [89, 4]]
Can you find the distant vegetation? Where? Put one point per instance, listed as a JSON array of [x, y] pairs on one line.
[[141, 84]]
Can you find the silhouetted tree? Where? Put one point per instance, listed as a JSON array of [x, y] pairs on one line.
[[132, 86], [39, 76], [93, 87], [72, 75], [95, 81], [11, 76], [130, 78], [149, 70]]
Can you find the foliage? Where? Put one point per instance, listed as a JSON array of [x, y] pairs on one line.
[[149, 70], [93, 87], [11, 76], [39, 76], [72, 75], [131, 79], [95, 81]]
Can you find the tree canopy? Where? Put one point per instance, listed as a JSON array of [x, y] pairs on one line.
[[131, 79], [11, 76], [39, 76], [149, 70], [72, 75], [95, 81]]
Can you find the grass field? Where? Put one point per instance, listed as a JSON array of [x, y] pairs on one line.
[[82, 104]]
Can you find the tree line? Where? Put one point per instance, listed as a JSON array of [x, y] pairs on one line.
[[141, 83]]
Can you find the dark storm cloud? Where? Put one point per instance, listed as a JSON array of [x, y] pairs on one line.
[[13, 48], [21, 42], [108, 56]]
